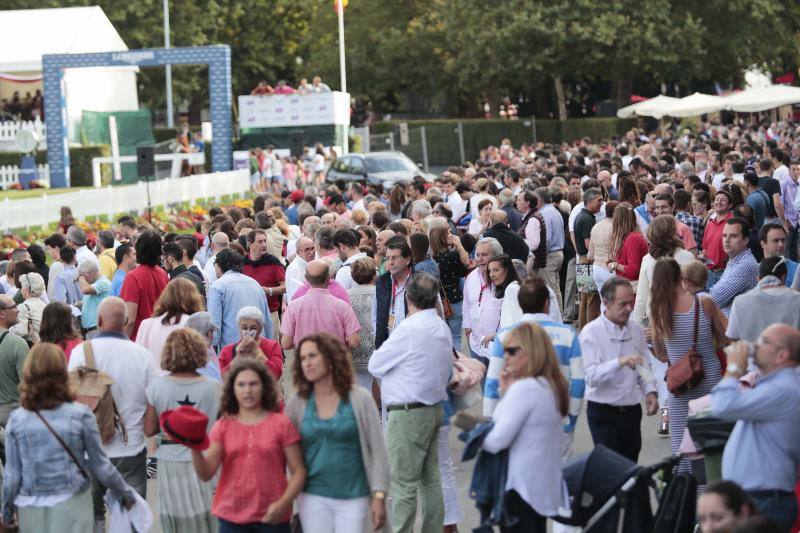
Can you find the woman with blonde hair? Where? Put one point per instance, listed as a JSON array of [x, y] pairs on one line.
[[343, 446], [184, 500], [179, 300], [528, 422], [628, 246], [52, 444]]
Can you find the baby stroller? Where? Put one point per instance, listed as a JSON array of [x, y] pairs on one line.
[[610, 493]]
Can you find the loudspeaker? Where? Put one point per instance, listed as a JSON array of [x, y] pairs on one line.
[[296, 143], [145, 161]]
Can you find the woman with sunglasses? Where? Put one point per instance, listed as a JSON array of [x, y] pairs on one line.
[[528, 422]]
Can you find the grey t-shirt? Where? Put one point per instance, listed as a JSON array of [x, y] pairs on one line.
[[168, 392]]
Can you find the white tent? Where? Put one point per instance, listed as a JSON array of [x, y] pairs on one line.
[[691, 106], [30, 33], [643, 109], [756, 99]]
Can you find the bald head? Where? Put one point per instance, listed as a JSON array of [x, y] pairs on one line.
[[499, 217], [317, 273], [663, 188], [220, 240], [787, 337], [380, 241], [112, 315], [305, 249], [604, 177]]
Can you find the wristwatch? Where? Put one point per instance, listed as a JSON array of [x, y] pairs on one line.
[[733, 368], [381, 495]]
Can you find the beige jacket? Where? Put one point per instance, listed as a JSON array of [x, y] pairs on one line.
[[370, 436]]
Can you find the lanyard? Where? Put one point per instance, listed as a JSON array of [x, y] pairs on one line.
[[395, 289], [483, 288]]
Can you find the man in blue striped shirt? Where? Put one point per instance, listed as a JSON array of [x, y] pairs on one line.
[[534, 299]]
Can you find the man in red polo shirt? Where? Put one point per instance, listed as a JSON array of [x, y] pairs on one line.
[[268, 271], [145, 283], [713, 253]]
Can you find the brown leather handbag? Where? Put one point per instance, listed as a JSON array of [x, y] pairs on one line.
[[688, 372]]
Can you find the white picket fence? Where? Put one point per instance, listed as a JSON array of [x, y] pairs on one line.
[[9, 129], [115, 199], [9, 175]]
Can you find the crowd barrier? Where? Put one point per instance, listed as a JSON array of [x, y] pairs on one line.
[[113, 200]]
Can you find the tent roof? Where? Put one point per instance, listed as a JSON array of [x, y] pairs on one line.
[[30, 33], [691, 106], [762, 98], [643, 109]]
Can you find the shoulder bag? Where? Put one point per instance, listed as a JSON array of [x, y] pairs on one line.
[[64, 445], [688, 372]]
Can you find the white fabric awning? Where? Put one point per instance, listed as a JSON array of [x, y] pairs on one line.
[[643, 109], [762, 98], [692, 106]]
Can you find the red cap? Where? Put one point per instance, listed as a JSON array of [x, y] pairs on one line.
[[297, 196]]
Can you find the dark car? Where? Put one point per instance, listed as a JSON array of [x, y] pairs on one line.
[[376, 168]]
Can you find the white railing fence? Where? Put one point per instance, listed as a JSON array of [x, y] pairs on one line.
[[113, 200], [8, 129], [9, 175]]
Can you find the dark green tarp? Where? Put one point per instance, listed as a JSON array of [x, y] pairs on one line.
[[134, 128]]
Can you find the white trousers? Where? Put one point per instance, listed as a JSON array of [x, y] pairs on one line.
[[452, 507], [319, 514]]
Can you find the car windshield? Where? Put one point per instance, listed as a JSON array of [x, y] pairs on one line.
[[389, 163]]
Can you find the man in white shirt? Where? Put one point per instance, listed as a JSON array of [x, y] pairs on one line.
[[615, 355], [346, 243], [76, 238], [296, 271], [219, 242], [414, 366], [131, 368]]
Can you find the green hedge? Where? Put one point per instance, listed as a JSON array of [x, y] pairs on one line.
[[80, 163], [442, 136]]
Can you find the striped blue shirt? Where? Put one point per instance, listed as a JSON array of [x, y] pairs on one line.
[[568, 351]]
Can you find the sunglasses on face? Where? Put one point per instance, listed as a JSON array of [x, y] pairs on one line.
[[512, 350]]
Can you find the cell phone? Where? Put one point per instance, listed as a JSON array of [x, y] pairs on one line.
[[249, 333]]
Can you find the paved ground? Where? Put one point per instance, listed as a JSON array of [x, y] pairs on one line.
[[654, 448]]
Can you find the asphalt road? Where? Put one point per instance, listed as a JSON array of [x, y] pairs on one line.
[[654, 448]]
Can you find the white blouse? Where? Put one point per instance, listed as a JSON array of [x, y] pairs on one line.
[[527, 423]]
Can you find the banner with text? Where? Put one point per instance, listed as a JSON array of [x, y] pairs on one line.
[[282, 110]]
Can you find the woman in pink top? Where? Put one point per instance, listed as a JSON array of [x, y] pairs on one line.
[[57, 327], [179, 300], [252, 444], [628, 245]]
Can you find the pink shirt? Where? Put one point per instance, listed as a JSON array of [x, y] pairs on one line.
[[153, 336], [334, 287], [686, 235], [253, 466], [316, 312]]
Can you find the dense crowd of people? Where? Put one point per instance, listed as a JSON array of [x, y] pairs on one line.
[[298, 363], [18, 107]]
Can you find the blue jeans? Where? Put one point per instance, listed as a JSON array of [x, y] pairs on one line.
[[779, 507], [713, 278], [455, 322], [256, 527]]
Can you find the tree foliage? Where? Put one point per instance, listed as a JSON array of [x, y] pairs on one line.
[[450, 56]]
